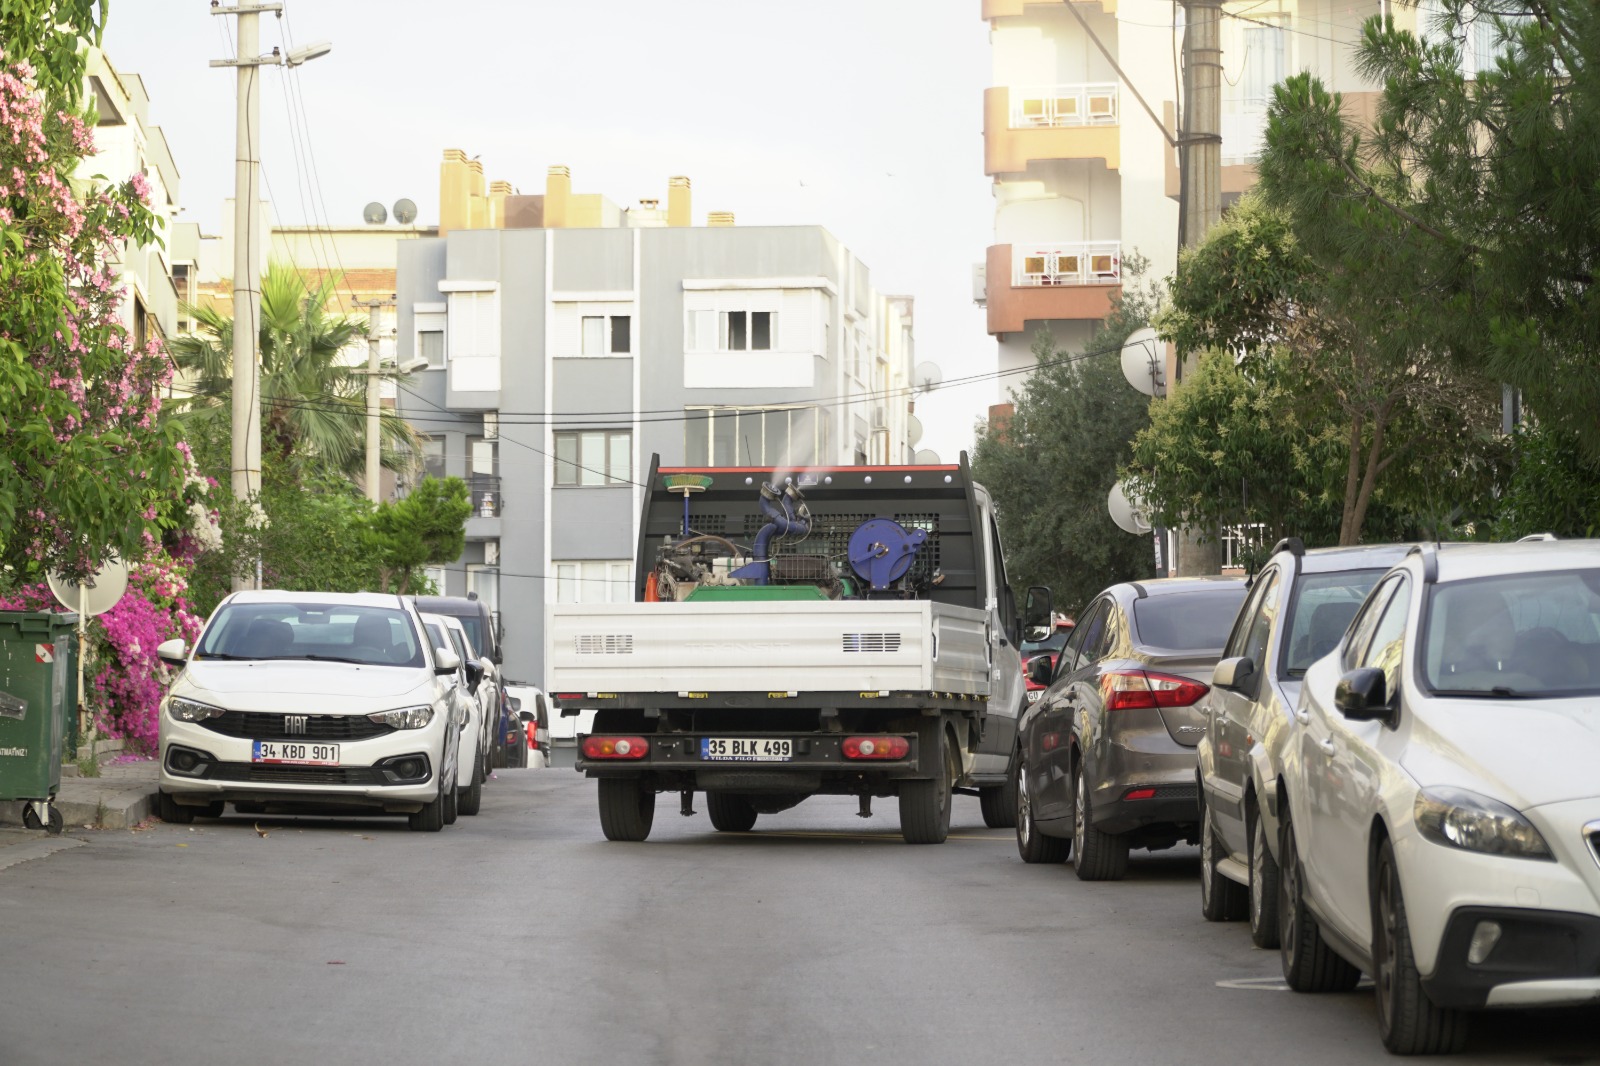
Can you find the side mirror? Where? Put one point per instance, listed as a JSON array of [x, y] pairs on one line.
[[1039, 669], [1237, 674], [173, 652], [474, 674], [1036, 614], [1362, 695], [445, 661]]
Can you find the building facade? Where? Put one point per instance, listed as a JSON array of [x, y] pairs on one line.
[[561, 359], [1084, 178]]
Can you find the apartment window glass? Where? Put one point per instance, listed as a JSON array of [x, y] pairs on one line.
[[621, 334], [734, 335], [435, 577], [594, 335], [754, 436], [430, 346], [701, 331], [594, 581], [485, 581], [696, 437], [433, 457], [607, 334], [744, 331], [594, 457]]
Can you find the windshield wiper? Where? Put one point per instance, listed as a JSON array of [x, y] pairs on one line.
[[1500, 692], [337, 659], [204, 656]]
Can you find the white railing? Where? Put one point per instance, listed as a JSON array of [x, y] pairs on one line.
[[1044, 106], [1083, 263]]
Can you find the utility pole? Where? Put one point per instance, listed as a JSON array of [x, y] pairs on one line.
[[1201, 141], [374, 447], [246, 450]]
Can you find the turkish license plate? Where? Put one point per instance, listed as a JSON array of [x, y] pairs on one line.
[[746, 749], [276, 751]]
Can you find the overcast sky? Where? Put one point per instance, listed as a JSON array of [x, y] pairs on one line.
[[862, 116]]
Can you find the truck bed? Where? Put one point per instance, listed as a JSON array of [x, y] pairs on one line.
[[800, 647]]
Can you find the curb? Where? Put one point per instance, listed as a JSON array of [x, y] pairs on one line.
[[120, 808]]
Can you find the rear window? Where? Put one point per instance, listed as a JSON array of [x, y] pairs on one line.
[[1187, 621]]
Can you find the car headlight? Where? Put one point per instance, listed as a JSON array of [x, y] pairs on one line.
[[1461, 819], [404, 717], [183, 710]]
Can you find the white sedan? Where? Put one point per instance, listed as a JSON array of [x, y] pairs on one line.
[[1442, 822]]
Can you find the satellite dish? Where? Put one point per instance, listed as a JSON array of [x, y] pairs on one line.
[[98, 594], [913, 430], [926, 377], [926, 457], [1129, 518], [374, 214], [405, 212], [1144, 362]]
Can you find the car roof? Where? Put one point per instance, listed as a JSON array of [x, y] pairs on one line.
[[452, 606], [1464, 561], [1167, 586], [1353, 557], [354, 599]]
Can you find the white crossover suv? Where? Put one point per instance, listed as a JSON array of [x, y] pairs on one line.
[[1440, 823], [313, 699]]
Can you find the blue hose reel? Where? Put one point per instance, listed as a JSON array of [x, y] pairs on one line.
[[881, 550]]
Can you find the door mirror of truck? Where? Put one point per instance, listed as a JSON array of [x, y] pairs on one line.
[[1237, 674], [445, 661], [1039, 669], [1036, 614], [173, 652]]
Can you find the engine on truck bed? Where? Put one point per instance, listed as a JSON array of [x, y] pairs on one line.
[[794, 554]]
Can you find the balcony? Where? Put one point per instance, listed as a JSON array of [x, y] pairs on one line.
[[483, 491], [1051, 282], [1050, 122]]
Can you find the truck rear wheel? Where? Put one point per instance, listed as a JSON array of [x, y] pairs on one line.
[[925, 805], [627, 808], [730, 812]]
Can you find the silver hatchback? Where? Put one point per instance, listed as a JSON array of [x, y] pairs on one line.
[[1105, 758]]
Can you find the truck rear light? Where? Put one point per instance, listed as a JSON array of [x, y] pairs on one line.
[[569, 695], [615, 747], [875, 747], [1130, 689]]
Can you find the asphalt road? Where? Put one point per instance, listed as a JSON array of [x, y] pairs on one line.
[[520, 935]]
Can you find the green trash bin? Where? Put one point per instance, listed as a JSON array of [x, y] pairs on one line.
[[36, 656]]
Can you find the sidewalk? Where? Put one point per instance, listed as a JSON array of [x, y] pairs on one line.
[[121, 797]]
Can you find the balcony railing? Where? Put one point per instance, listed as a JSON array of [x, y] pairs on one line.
[[1090, 263], [1050, 106], [484, 492]]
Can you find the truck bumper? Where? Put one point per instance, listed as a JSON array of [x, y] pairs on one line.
[[816, 764]]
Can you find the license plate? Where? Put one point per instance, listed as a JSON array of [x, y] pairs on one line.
[[741, 749], [1033, 697], [276, 751]]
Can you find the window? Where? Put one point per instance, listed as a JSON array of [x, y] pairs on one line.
[[1366, 620], [756, 436], [1388, 640], [729, 331], [1084, 645], [1319, 613], [594, 581], [435, 577], [1187, 621], [474, 341], [485, 581], [594, 457], [607, 334], [433, 457], [430, 346], [1532, 633]]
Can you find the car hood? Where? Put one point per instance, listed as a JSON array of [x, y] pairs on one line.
[[268, 679], [1479, 745]]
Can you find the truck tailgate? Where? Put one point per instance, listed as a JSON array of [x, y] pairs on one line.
[[828, 646]]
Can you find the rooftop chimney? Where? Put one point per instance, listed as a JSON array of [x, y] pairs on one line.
[[678, 213], [557, 193]]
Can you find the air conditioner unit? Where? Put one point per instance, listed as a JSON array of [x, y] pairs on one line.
[[491, 425]]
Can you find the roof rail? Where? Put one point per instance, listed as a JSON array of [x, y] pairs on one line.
[[1430, 562], [1538, 536], [1139, 590], [1293, 545]]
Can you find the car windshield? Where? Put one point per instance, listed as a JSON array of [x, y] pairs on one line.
[[1054, 642], [1319, 612], [1195, 620], [474, 627], [1515, 635], [370, 636]]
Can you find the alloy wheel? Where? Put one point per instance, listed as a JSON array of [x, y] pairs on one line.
[[1387, 948], [1024, 807]]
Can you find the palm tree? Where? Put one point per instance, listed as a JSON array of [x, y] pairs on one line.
[[313, 403]]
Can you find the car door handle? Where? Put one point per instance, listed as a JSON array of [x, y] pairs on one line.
[[1326, 746]]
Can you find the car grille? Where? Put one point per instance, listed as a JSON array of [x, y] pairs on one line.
[[258, 725], [295, 775]]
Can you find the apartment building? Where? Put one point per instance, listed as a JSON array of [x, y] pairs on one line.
[[127, 143], [1084, 177], [568, 340]]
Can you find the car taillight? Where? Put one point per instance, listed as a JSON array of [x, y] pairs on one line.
[[1129, 689], [875, 747], [533, 736], [615, 747]]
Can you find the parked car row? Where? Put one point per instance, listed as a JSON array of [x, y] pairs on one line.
[[1392, 768], [377, 704]]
